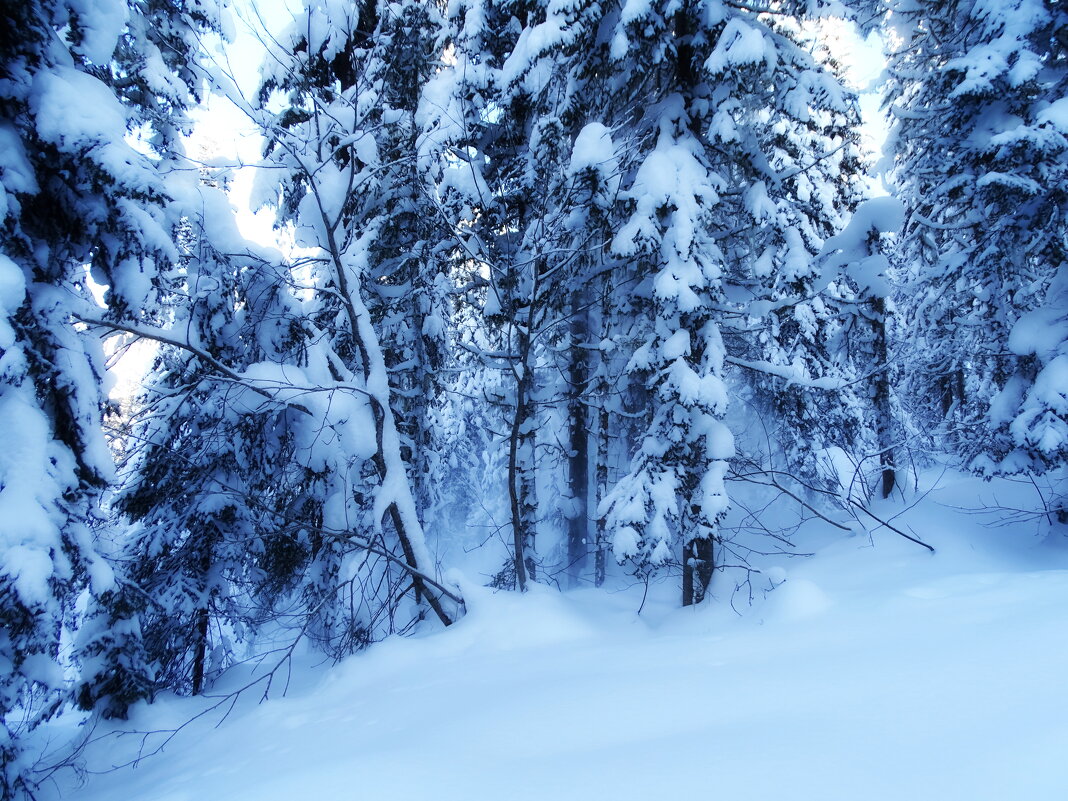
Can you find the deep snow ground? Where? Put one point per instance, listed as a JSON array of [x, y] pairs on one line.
[[876, 670]]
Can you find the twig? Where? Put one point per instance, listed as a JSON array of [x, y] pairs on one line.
[[893, 528]]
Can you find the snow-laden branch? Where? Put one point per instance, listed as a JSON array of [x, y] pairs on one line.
[[407, 513], [164, 337], [792, 374]]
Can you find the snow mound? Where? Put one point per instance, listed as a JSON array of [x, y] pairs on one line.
[[797, 599]]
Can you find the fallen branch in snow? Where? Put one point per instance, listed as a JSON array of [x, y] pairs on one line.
[[776, 485], [770, 481], [893, 528]]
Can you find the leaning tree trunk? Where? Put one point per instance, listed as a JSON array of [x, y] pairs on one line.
[[399, 505]]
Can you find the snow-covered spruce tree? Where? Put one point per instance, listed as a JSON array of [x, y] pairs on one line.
[[156, 71], [737, 136], [976, 96], [525, 84], [75, 195], [212, 485], [673, 496], [794, 144], [715, 99], [334, 75]]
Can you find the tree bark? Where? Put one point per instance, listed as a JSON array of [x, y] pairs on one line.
[[881, 400], [520, 479], [201, 617], [200, 648], [601, 552], [697, 566], [579, 442]]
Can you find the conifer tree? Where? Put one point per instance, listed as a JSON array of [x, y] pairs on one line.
[[254, 409], [744, 134], [738, 153], [157, 71], [212, 473], [76, 197], [862, 345], [976, 96]]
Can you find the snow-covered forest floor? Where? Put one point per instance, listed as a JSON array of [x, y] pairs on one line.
[[874, 670]]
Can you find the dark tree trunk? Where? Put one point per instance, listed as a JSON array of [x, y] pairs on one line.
[[202, 614], [697, 566], [952, 385], [601, 456], [579, 441], [200, 648], [883, 414]]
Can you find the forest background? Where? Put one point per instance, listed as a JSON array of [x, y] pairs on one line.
[[569, 293]]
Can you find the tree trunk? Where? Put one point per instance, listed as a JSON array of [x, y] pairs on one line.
[[697, 567], [201, 615], [601, 552], [387, 458], [520, 470], [200, 648], [579, 442], [884, 420]]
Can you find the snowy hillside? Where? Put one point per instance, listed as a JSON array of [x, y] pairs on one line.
[[875, 670]]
